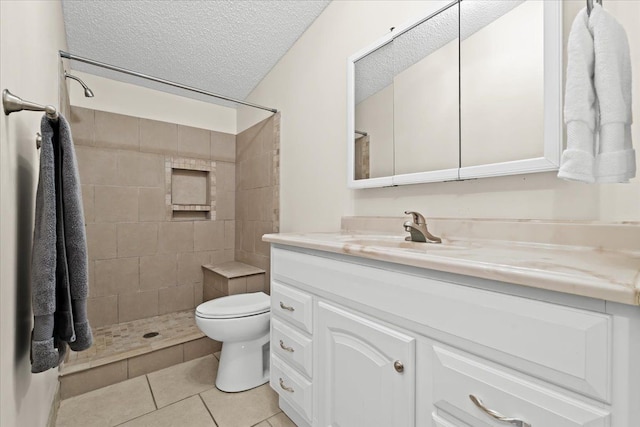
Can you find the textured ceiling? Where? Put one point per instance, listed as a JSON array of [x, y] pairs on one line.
[[221, 46]]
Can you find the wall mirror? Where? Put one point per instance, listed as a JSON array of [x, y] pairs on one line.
[[470, 90]]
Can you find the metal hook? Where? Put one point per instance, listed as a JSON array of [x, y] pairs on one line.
[[590, 5], [38, 140]]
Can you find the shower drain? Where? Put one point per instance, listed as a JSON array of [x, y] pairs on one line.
[[151, 334]]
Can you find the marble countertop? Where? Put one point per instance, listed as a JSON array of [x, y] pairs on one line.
[[602, 273]]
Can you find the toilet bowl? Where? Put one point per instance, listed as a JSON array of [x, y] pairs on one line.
[[241, 323]]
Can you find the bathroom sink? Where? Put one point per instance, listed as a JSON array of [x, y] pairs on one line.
[[394, 242]]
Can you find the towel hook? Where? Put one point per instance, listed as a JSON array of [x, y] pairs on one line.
[[12, 103], [590, 5]]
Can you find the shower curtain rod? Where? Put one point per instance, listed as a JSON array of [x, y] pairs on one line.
[[72, 57]]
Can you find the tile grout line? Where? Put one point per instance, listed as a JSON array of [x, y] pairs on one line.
[[207, 408], [153, 397]]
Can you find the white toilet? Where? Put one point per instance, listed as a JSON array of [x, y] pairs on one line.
[[241, 323]]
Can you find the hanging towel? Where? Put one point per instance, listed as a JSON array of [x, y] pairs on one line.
[[580, 104], [615, 161], [59, 259], [598, 101]]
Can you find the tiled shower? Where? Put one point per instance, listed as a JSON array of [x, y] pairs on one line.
[[161, 200]]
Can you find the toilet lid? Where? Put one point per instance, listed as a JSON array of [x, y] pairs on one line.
[[240, 305]]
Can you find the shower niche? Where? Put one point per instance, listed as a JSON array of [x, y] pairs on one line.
[[191, 189]]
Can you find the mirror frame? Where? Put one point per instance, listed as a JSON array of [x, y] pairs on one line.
[[553, 129]]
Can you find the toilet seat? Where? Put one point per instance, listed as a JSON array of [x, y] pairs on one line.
[[233, 306]]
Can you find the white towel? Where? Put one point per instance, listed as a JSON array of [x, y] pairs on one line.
[[598, 101], [580, 104], [615, 161]]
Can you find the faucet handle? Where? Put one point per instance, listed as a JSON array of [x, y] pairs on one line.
[[417, 217]]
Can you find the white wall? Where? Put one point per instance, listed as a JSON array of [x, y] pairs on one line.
[[309, 86], [138, 101], [31, 32]]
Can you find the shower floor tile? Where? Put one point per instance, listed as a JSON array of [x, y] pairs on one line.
[[125, 340]]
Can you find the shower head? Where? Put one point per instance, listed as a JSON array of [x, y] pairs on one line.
[[87, 92]]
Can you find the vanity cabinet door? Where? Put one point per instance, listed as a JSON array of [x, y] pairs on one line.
[[366, 372]]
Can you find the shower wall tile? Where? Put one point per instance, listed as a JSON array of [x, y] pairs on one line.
[[198, 294], [193, 142], [102, 311], [257, 193], [266, 200], [158, 271], [87, 203], [222, 256], [101, 241], [225, 176], [208, 235], [247, 238], [83, 125], [137, 239], [116, 276], [176, 298], [140, 169], [262, 228], [223, 146], [226, 205], [138, 305], [97, 166], [229, 234], [116, 131], [151, 205], [190, 267], [142, 261], [158, 137], [116, 204], [176, 237]]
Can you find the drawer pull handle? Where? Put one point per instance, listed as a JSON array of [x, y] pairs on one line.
[[398, 366], [496, 415], [285, 388], [285, 348], [286, 307]]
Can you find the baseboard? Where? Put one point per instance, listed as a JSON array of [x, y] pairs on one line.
[[53, 411]]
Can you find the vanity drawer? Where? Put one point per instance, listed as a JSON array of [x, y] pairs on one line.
[[455, 376], [292, 306], [291, 346], [291, 386]]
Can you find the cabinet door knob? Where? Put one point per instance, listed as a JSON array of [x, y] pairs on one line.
[[286, 348], [286, 307], [285, 388], [497, 415], [398, 366]]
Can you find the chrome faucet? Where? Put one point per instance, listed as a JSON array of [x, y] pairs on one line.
[[418, 229]]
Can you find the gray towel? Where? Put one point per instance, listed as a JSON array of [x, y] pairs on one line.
[[59, 278]]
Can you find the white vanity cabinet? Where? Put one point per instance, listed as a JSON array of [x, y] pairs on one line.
[[401, 346], [366, 371]]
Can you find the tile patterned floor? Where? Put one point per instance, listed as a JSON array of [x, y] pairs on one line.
[[183, 395], [122, 340]]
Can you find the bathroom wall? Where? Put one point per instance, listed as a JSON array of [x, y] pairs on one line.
[[146, 260], [308, 85], [30, 35], [124, 98], [257, 192]]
